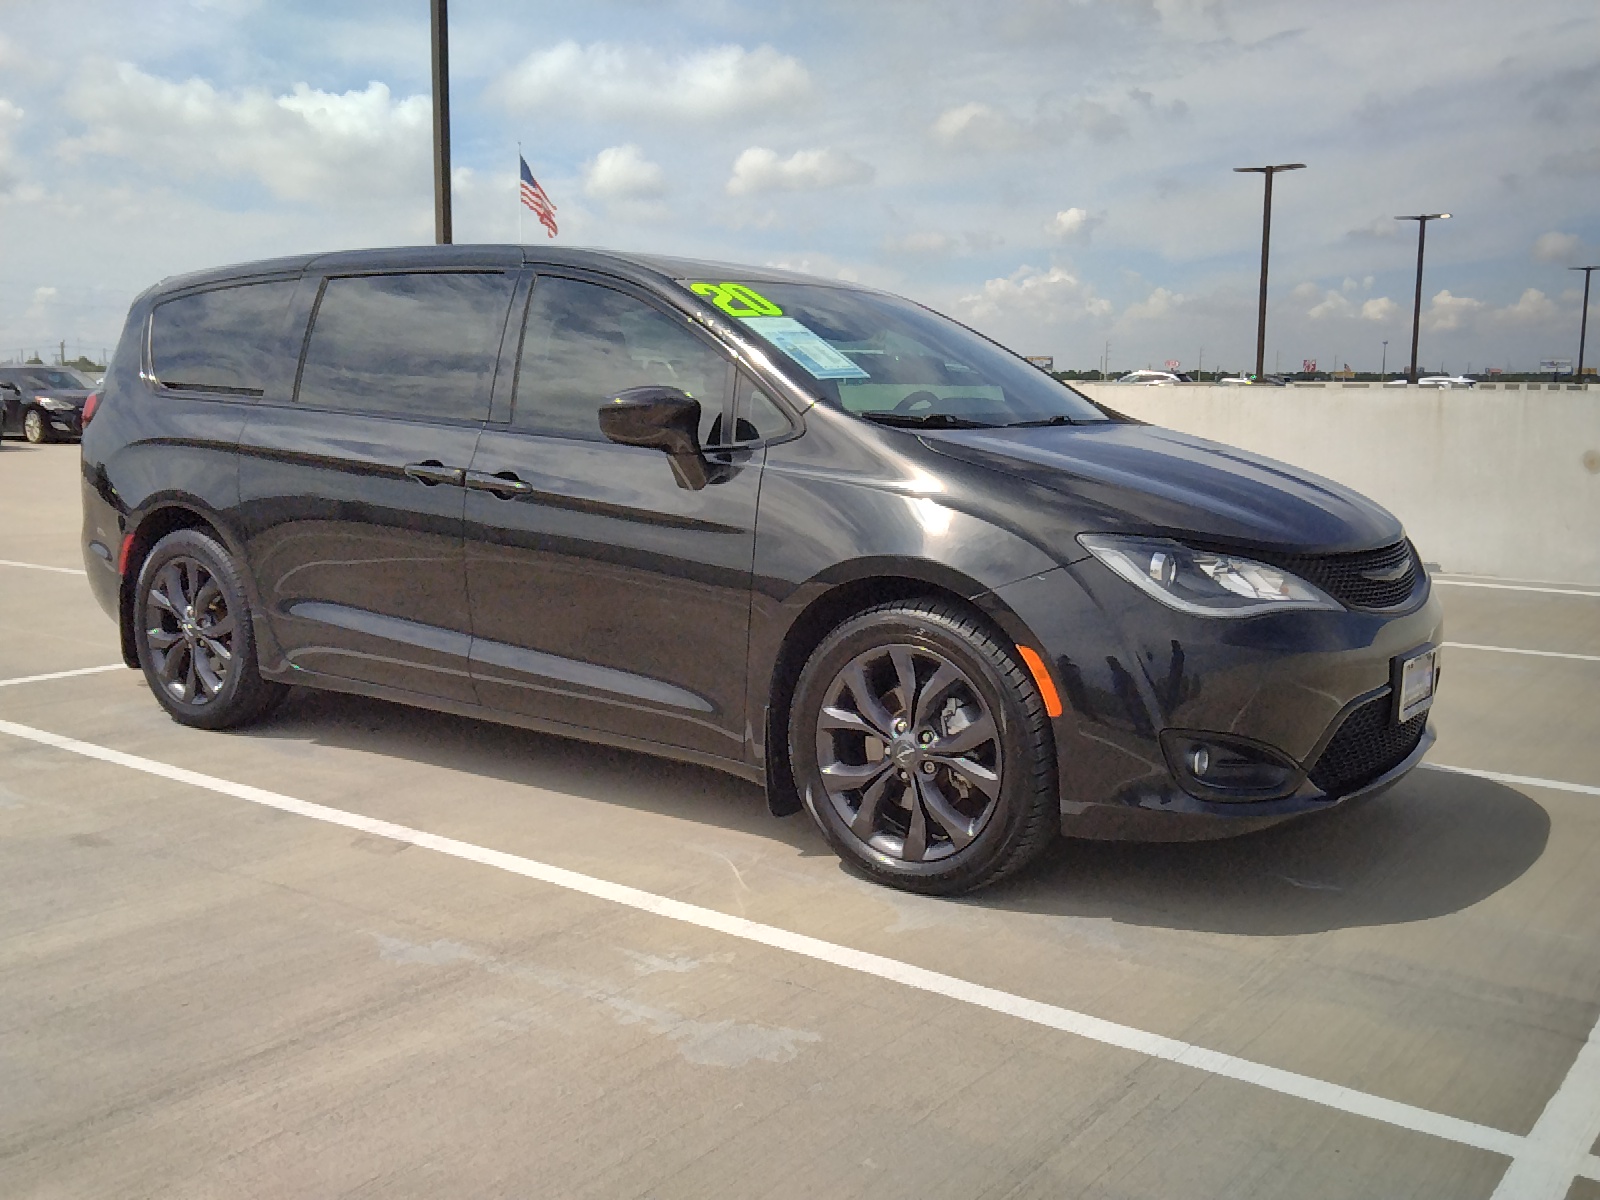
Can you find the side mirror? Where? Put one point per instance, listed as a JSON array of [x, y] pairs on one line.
[[661, 418]]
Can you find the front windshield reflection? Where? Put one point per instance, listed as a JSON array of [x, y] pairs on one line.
[[901, 363]]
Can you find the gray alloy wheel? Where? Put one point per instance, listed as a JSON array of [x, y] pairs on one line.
[[34, 428], [920, 745], [909, 753], [195, 637]]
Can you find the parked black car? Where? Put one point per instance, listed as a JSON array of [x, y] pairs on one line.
[[809, 533], [42, 404]]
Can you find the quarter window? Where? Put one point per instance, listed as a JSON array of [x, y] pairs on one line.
[[225, 340], [417, 345], [584, 343]]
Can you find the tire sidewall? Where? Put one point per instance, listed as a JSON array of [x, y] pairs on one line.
[[971, 865], [223, 709]]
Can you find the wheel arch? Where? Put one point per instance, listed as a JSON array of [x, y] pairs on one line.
[[151, 526]]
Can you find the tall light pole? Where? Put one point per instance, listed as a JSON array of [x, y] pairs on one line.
[[441, 123], [1583, 322], [1422, 220], [1266, 241], [1383, 371]]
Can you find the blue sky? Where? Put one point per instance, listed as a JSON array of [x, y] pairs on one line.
[[1056, 173]]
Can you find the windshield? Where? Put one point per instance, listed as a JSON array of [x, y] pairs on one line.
[[889, 360], [50, 378]]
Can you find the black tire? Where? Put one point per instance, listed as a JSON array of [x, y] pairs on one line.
[[964, 792], [196, 641], [34, 427]]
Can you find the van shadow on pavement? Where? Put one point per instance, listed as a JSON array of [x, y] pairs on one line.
[[1435, 844]]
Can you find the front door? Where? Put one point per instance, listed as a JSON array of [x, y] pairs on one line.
[[352, 491], [606, 596]]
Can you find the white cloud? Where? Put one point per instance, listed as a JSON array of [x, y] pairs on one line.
[[622, 173], [305, 145], [1072, 225], [1533, 307], [1034, 294], [605, 80], [759, 169], [1380, 308], [1334, 304], [1556, 247], [924, 243], [1446, 312], [1158, 304], [978, 127], [1306, 292]]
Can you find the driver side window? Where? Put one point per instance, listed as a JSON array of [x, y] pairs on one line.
[[584, 343]]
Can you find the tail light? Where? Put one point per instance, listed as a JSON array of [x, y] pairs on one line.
[[89, 406]]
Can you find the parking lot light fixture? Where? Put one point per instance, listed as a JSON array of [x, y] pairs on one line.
[[1583, 321], [1422, 220], [1266, 240]]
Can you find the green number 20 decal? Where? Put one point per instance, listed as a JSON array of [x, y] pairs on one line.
[[737, 300]]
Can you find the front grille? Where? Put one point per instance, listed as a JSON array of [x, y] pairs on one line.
[[1367, 745], [1343, 576]]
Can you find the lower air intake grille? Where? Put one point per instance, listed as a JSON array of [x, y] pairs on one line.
[[1367, 745]]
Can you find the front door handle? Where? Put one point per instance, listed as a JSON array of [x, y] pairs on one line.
[[505, 485], [434, 472]]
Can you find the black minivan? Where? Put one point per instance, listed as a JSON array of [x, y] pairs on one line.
[[807, 532]]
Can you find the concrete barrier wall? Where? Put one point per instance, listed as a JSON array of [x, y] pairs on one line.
[[1498, 481]]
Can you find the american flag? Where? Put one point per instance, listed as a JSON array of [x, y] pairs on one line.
[[533, 196]]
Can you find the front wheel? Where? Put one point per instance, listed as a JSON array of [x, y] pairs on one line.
[[194, 635], [34, 428], [921, 747]]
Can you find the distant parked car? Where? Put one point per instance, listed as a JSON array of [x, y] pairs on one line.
[[1151, 378], [42, 404], [1447, 381]]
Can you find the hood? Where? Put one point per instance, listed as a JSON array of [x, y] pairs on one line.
[[1134, 478]]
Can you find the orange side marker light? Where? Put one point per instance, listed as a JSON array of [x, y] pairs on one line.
[[1041, 677]]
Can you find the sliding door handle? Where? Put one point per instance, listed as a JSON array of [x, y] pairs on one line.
[[434, 472], [505, 485]]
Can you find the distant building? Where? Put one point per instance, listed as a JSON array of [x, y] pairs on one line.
[[1045, 362]]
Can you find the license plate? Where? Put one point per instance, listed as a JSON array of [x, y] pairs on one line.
[[1414, 688]]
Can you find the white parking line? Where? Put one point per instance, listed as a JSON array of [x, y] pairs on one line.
[[21, 679], [1558, 785], [1050, 1016], [6, 562], [1519, 650], [1557, 1147], [1517, 587]]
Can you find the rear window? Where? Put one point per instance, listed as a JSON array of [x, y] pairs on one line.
[[224, 340], [415, 345]]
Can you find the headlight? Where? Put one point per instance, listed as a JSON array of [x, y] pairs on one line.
[[51, 403], [1203, 583]]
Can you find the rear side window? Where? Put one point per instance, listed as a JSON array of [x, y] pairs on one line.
[[584, 343], [421, 345], [223, 340]]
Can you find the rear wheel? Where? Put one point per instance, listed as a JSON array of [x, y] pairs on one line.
[[194, 635], [921, 747], [34, 428]]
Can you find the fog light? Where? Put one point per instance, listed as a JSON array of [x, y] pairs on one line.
[[1227, 767]]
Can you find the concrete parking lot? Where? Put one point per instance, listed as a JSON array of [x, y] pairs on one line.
[[362, 950]]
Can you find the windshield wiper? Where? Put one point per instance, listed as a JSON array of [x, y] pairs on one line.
[[926, 420], [1059, 419]]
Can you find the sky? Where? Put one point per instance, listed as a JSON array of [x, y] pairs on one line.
[[1056, 173]]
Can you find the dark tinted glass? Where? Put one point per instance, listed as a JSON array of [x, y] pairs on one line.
[[585, 343], [407, 345], [56, 379], [220, 341]]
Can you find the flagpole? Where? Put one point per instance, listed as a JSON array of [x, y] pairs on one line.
[[519, 193]]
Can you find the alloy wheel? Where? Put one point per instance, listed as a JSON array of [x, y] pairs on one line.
[[33, 426], [190, 631], [909, 753]]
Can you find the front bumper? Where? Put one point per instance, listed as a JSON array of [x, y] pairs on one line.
[[1309, 686]]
